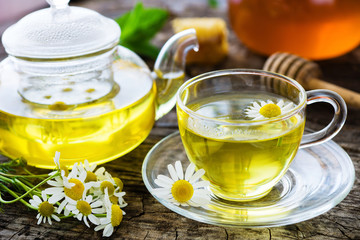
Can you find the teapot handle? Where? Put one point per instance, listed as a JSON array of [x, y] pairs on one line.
[[169, 69]]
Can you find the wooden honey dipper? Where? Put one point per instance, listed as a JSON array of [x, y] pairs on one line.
[[306, 73]]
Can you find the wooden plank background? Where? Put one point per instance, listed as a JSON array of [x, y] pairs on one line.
[[145, 217]]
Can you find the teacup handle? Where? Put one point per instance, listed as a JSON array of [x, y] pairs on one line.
[[336, 123]]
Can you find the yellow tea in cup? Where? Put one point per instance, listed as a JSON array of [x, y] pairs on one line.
[[239, 158], [243, 129]]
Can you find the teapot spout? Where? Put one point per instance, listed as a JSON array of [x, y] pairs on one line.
[[169, 69]]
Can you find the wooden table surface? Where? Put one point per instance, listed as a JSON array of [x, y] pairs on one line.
[[145, 217]]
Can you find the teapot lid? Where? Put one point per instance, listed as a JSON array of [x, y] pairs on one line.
[[60, 31]]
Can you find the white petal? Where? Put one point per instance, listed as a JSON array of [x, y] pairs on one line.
[[34, 203], [109, 229], [259, 117], [40, 219], [38, 215], [197, 175], [202, 192], [256, 105], [92, 167], [74, 171], [67, 184], [94, 219], [193, 204], [54, 190], [184, 204], [82, 176], [62, 205], [44, 196], [201, 184], [57, 159], [179, 170], [79, 216], [86, 222], [98, 210], [55, 198], [163, 183], [172, 172], [200, 200], [189, 171], [55, 217], [287, 107], [70, 207], [175, 203], [96, 204], [49, 220], [66, 212], [88, 198], [161, 191], [37, 199], [105, 220], [100, 171], [55, 183], [88, 185], [100, 227], [280, 103]]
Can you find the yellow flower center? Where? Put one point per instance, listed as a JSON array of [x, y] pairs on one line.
[[109, 186], [46, 209], [118, 183], [116, 215], [90, 177], [113, 199], [84, 207], [76, 191], [270, 110], [65, 169], [182, 191]]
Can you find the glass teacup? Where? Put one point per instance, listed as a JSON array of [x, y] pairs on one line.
[[244, 128]]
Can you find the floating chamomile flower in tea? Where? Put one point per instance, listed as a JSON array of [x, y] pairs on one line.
[[184, 190], [268, 109]]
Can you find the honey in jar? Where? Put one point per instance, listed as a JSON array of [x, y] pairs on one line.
[[314, 29]]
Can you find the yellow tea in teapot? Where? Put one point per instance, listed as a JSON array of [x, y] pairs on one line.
[[239, 159], [106, 128]]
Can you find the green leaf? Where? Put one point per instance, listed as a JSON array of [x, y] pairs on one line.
[[213, 3], [139, 26], [144, 48]]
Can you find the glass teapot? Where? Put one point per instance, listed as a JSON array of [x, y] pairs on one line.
[[68, 86]]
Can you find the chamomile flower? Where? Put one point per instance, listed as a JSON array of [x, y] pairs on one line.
[[45, 208], [184, 190], [113, 185], [72, 186], [85, 208], [118, 199], [63, 169], [114, 216], [268, 109], [89, 169]]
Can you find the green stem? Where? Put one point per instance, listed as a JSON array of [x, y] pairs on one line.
[[27, 188], [5, 179], [29, 191], [16, 196], [24, 176], [70, 215]]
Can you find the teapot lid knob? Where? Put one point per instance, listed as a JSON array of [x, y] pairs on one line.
[[58, 4]]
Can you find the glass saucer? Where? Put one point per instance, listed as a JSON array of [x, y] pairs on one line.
[[318, 179]]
